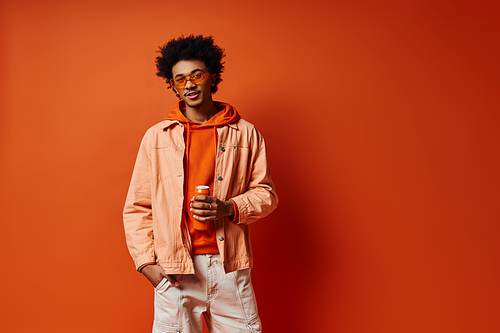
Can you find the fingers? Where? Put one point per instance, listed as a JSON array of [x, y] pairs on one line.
[[204, 198], [154, 273], [172, 279], [204, 214], [204, 211], [205, 218], [204, 206]]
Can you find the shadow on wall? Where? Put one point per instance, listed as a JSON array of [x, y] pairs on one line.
[[289, 253]]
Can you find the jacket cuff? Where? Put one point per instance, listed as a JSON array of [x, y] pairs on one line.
[[239, 205], [144, 260], [236, 211], [144, 265]]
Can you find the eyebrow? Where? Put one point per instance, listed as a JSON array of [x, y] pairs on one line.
[[194, 70]]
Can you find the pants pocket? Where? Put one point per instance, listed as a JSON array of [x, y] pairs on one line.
[[254, 324], [160, 287], [247, 300], [159, 327], [167, 307]]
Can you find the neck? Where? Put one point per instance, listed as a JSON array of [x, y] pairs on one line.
[[202, 113]]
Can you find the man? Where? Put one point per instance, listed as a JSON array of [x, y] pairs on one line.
[[198, 271]]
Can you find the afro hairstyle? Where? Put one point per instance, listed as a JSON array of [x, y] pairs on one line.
[[191, 48]]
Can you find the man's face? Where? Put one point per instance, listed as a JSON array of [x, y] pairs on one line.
[[194, 94]]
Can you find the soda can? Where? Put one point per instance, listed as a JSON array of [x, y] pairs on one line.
[[200, 190]]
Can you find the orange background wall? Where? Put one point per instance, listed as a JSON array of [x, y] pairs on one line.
[[381, 119]]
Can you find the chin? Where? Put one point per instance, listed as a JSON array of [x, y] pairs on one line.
[[193, 104]]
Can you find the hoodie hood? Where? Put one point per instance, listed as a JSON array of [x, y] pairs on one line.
[[226, 115]]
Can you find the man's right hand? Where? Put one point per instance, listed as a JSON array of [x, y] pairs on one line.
[[154, 273]]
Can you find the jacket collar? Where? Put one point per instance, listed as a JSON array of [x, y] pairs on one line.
[[169, 123]]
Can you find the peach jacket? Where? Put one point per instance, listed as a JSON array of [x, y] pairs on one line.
[[153, 211]]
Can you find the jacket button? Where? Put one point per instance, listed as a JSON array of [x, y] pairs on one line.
[[221, 238], [222, 149], [219, 178]]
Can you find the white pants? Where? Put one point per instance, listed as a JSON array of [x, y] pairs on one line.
[[226, 300]]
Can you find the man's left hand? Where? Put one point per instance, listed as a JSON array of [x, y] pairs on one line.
[[206, 208]]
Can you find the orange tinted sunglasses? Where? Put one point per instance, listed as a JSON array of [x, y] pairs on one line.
[[195, 78]]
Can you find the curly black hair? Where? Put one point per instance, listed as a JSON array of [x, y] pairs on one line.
[[190, 48]]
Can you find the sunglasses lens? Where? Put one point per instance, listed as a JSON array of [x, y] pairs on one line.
[[196, 78], [179, 82]]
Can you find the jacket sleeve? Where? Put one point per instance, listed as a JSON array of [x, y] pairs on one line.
[[137, 214], [260, 199]]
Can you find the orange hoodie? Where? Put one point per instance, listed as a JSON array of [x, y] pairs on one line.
[[199, 166]]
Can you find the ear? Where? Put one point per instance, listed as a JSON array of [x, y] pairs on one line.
[[213, 79], [176, 93]]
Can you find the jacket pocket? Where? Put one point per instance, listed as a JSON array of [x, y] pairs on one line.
[[165, 162], [240, 156], [236, 168]]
